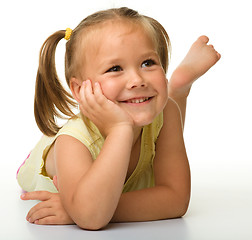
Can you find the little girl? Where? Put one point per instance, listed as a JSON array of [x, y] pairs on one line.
[[122, 158]]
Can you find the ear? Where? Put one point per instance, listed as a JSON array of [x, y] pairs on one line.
[[75, 86]]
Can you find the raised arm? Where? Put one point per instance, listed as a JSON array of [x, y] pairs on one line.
[[89, 190], [199, 59]]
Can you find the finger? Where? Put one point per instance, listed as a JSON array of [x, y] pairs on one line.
[[83, 105], [204, 39], [99, 96], [82, 94], [88, 94], [82, 102], [41, 213], [83, 110], [36, 208], [53, 220], [36, 195], [50, 220]]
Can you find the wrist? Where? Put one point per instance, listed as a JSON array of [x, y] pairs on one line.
[[120, 129], [180, 94]]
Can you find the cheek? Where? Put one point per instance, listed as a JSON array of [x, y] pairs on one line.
[[163, 89], [162, 84], [165, 86], [110, 89]]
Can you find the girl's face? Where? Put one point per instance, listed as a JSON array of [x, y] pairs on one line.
[[123, 59]]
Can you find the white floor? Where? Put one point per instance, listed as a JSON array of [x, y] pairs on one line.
[[217, 213]]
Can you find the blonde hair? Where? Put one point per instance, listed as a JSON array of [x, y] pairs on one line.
[[51, 99]]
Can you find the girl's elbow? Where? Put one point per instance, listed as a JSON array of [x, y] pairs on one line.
[[183, 210], [91, 225], [91, 221], [87, 215], [184, 205]]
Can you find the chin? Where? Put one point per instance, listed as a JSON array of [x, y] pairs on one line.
[[142, 121]]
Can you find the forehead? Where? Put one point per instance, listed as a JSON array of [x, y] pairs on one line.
[[115, 33]]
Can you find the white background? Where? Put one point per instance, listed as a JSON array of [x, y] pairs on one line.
[[218, 123]]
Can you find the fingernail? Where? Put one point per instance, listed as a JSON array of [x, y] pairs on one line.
[[22, 196]]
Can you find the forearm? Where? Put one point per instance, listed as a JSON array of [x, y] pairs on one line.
[[178, 92], [155, 203], [182, 103], [99, 190]]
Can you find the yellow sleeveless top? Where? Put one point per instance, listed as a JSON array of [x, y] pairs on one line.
[[31, 175]]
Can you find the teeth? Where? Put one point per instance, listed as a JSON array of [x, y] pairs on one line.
[[140, 100]]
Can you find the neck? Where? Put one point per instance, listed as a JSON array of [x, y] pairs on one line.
[[137, 134]]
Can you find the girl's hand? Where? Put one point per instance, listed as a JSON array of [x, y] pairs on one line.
[[49, 210], [104, 113]]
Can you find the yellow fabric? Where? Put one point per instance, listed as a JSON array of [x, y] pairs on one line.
[[32, 177]]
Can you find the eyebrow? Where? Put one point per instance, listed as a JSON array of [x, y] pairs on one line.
[[149, 54], [145, 55]]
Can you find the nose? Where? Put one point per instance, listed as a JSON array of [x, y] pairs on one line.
[[135, 80]]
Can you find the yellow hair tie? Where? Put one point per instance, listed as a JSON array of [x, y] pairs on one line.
[[68, 33]]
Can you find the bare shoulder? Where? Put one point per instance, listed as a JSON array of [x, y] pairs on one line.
[[68, 148], [65, 141], [72, 160]]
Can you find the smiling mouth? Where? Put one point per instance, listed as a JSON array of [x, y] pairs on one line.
[[138, 100]]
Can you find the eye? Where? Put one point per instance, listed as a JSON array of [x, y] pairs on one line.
[[148, 63], [116, 68]]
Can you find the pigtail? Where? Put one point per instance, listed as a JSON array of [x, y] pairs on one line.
[[51, 99]]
